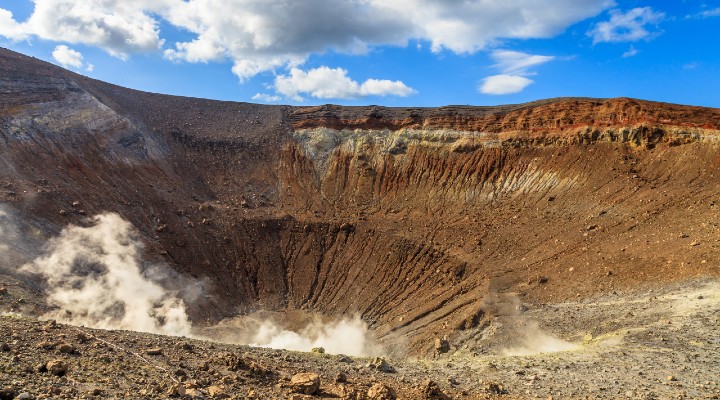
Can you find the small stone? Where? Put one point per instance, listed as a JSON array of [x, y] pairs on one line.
[[379, 391], [671, 378], [442, 345], [344, 359], [176, 390], [96, 392], [431, 390], [57, 367], [700, 297], [341, 377], [217, 392], [380, 364], [319, 350], [185, 346], [3, 291], [305, 383], [4, 347], [156, 351], [493, 387], [7, 393], [693, 244], [46, 345], [24, 396], [66, 348]]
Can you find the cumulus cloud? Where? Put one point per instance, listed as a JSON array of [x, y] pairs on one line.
[[333, 83], [627, 27], [118, 27], [504, 84], [267, 98], [10, 28], [514, 67], [260, 35], [68, 57], [469, 26]]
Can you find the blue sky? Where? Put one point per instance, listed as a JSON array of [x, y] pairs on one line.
[[394, 53]]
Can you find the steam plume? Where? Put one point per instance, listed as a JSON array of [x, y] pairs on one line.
[[346, 336], [94, 277]]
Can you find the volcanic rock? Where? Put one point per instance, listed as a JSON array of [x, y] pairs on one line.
[[379, 391], [305, 383], [57, 367]]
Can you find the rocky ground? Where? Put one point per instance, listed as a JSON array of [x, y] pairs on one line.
[[649, 343]]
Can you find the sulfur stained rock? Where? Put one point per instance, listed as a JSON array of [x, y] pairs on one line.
[[380, 391], [305, 383]]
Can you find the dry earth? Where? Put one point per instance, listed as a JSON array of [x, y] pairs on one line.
[[652, 343]]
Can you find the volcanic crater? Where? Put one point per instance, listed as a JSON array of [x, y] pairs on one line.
[[429, 224]]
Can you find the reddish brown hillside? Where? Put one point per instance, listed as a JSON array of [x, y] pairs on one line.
[[408, 217]]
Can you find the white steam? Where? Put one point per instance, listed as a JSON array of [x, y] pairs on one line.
[[534, 341], [297, 330], [347, 336], [94, 277]]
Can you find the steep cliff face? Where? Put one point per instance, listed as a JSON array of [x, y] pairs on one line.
[[407, 217]]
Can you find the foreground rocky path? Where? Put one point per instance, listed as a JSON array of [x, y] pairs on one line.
[[654, 343]]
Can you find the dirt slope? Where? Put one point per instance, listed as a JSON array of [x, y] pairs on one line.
[[408, 217]]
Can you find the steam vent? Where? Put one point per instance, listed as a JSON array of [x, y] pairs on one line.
[[455, 235]]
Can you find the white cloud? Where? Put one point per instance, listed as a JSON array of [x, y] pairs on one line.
[[714, 12], [262, 35], [333, 83], [9, 28], [118, 27], [631, 52], [68, 57], [627, 27], [470, 25], [504, 84], [267, 98], [385, 87], [514, 66], [517, 63]]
